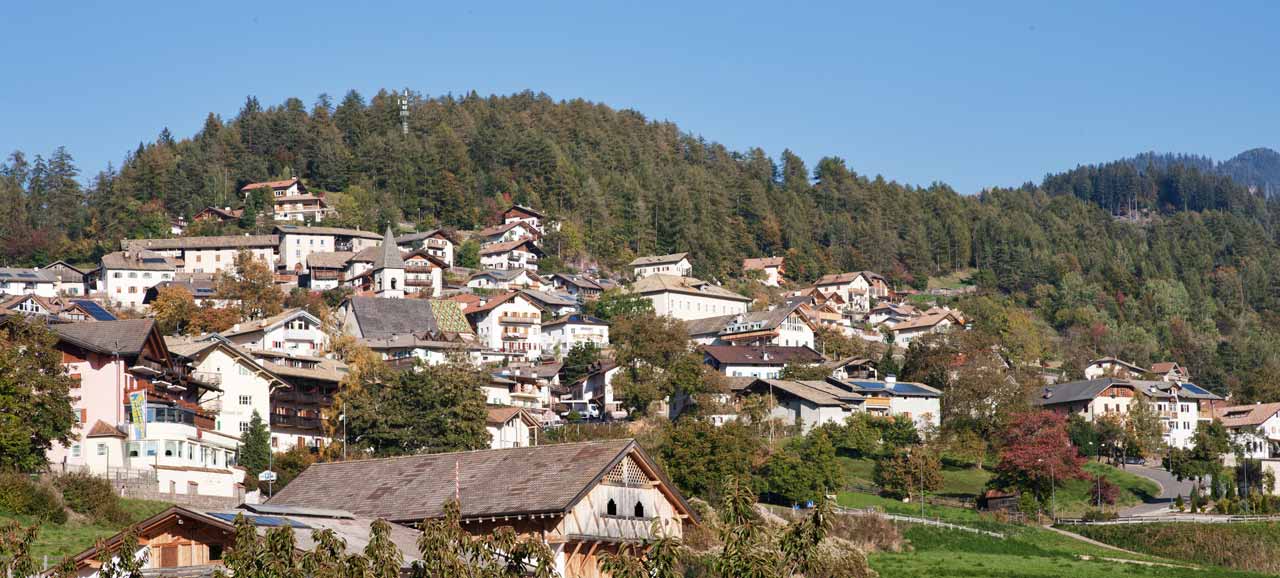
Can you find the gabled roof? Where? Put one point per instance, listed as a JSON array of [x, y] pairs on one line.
[[126, 337], [511, 246], [26, 275], [94, 309], [1075, 391], [503, 228], [225, 214], [270, 322], [658, 260], [499, 416], [101, 429], [328, 231], [216, 242], [388, 255], [334, 260], [761, 355], [492, 302], [138, 260], [843, 278], [414, 237], [1120, 362], [548, 299], [1163, 367], [761, 263], [575, 319], [525, 210], [65, 265], [1237, 416], [504, 275], [546, 479], [577, 280], [818, 393], [272, 184], [897, 388], [660, 283], [927, 320], [379, 317]]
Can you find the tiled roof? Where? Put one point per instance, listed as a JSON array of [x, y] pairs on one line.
[[267, 322], [842, 278], [218, 242], [26, 275], [549, 299], [100, 429], [334, 231], [334, 260], [543, 479], [658, 259], [414, 237], [1163, 366], [138, 260], [576, 319], [578, 280], [928, 320], [273, 184], [816, 392], [761, 263], [761, 355], [510, 246], [379, 317], [526, 210], [503, 228], [661, 283], [1246, 415], [124, 336]]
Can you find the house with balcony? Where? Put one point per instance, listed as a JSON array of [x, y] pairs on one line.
[[676, 264], [509, 324], [688, 298], [555, 304], [298, 242], [437, 242], [139, 413], [1255, 429], [507, 232], [1182, 407], [290, 331], [859, 289], [210, 254], [519, 254], [563, 334], [934, 321], [580, 287], [297, 412], [783, 325], [125, 276], [605, 495], [424, 274], [244, 384], [892, 398], [1113, 367], [292, 201], [218, 215], [521, 214], [808, 404], [1169, 371]]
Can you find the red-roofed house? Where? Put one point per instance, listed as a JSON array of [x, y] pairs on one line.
[[293, 202], [509, 324], [771, 266]]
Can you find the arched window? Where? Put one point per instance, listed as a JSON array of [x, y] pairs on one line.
[[611, 509], [639, 510], [393, 283]]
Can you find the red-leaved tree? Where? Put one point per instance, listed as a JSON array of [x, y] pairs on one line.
[[1036, 451]]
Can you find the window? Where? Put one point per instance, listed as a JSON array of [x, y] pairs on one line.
[[171, 449], [639, 510], [102, 449], [146, 275], [611, 509], [246, 400], [75, 450], [244, 427]]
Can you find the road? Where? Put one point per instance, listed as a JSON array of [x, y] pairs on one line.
[[1170, 488]]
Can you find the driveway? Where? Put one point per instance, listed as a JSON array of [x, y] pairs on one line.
[[1170, 488]]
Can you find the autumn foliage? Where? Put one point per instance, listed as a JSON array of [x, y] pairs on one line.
[[1036, 451]]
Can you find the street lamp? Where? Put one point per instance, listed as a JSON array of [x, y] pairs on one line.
[[1053, 490]]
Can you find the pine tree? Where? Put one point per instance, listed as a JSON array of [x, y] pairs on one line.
[[255, 447]]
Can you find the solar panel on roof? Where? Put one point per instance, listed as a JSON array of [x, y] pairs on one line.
[[1193, 388], [909, 389], [96, 311], [27, 275], [264, 521]]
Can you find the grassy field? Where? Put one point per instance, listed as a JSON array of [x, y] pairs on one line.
[[1248, 546], [955, 280], [1072, 499], [1026, 552], [56, 541]]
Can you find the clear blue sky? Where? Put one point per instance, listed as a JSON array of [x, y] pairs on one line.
[[972, 95]]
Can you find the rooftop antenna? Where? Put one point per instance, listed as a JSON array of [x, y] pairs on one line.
[[404, 112]]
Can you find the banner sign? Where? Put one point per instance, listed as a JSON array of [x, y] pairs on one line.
[[138, 412]]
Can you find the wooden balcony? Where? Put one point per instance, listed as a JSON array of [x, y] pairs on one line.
[[519, 319]]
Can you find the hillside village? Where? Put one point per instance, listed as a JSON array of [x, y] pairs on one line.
[[176, 356]]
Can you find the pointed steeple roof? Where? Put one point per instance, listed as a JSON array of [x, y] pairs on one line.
[[388, 256]]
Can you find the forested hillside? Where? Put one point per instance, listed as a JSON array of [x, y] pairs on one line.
[[1196, 283]]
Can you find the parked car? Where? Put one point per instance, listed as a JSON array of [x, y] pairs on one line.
[[1136, 460]]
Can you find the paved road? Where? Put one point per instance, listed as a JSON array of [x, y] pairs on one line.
[[1170, 488]]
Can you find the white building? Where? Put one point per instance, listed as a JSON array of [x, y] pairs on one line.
[[765, 362], [37, 282], [521, 254], [245, 384], [126, 275], [291, 331], [68, 280], [435, 242], [771, 267], [503, 279], [510, 427], [522, 214], [858, 289], [424, 273], [807, 403], [1253, 428], [938, 321], [298, 242], [688, 298], [508, 232], [893, 398], [509, 323], [1182, 407], [674, 264], [292, 201], [784, 325], [1112, 367], [563, 334], [210, 254]]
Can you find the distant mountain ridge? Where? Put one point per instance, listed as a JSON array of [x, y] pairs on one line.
[[1258, 167]]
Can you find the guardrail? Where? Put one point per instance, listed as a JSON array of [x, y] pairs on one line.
[[917, 520], [1192, 519]]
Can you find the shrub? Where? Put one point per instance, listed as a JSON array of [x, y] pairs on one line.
[[92, 496], [1180, 504], [20, 494], [1099, 516]]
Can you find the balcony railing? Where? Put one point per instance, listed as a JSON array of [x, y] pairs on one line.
[[207, 377], [514, 337], [284, 420], [527, 320]]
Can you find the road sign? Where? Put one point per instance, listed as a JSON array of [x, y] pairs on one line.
[[267, 476]]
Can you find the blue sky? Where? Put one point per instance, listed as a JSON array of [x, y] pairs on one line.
[[971, 94]]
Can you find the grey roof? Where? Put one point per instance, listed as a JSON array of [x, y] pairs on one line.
[[544, 479], [384, 317], [578, 280], [661, 283], [122, 336], [896, 388], [334, 260], [26, 275], [658, 259], [138, 260], [505, 275], [268, 322], [415, 237], [388, 256], [815, 392], [707, 325], [549, 299], [761, 355], [1086, 390], [745, 322], [576, 319], [334, 231], [218, 242]]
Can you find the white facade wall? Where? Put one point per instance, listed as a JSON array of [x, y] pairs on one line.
[[559, 339], [925, 412], [244, 390], [294, 248], [688, 306], [682, 269], [215, 260], [513, 434], [514, 259], [39, 288], [524, 338], [760, 371], [127, 287]]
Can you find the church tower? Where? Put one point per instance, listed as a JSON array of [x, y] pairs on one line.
[[388, 269]]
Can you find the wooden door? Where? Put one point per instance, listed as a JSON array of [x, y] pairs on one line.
[[169, 556]]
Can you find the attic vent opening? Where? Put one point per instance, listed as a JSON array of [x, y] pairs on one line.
[[626, 473]]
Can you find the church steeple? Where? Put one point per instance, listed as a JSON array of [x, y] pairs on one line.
[[388, 269], [388, 256]]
